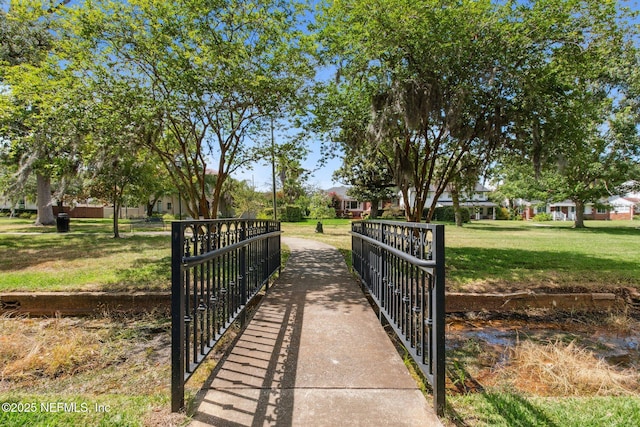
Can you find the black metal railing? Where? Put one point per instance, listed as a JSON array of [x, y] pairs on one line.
[[402, 267], [217, 267]]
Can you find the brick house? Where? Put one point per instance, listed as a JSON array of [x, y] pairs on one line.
[[345, 205]]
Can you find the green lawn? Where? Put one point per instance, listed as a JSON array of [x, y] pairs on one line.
[[484, 256], [499, 255], [507, 409], [490, 256], [88, 258]]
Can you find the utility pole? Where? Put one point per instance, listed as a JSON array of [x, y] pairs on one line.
[[273, 172]]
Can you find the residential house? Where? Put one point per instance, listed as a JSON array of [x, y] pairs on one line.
[[345, 205], [613, 208], [477, 202]]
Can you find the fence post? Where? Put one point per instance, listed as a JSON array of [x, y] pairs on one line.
[[243, 271], [177, 318], [439, 322]]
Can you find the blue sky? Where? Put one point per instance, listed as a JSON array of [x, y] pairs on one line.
[[321, 177]]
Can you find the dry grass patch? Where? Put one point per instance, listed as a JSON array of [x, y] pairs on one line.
[[560, 369], [48, 349], [94, 355]]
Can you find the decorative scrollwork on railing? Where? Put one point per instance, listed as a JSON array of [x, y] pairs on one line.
[[218, 267], [401, 265]]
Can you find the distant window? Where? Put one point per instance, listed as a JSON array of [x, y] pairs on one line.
[[352, 204], [169, 206], [602, 210], [541, 209]]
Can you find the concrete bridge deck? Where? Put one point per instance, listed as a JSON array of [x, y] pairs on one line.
[[314, 354]]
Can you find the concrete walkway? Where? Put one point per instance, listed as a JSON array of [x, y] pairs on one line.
[[314, 354]]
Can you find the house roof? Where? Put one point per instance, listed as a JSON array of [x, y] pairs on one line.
[[620, 201], [472, 204], [564, 203], [340, 192]]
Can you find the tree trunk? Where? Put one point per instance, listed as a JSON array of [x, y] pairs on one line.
[[203, 211], [374, 209], [150, 206], [414, 214], [117, 205], [44, 205], [116, 214], [455, 198], [579, 222]]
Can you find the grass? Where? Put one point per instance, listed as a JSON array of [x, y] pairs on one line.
[[510, 372], [82, 261], [484, 256], [559, 369], [493, 256], [77, 225], [123, 364], [78, 410], [509, 409]]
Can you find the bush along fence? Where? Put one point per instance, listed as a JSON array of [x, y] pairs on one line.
[[401, 265], [217, 268]]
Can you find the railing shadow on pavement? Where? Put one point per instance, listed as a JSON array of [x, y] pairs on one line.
[[255, 382]]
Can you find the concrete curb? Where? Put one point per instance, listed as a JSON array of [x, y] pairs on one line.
[[91, 303], [83, 303]]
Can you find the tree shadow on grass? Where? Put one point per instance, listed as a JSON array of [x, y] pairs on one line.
[[470, 264], [20, 252], [631, 230]]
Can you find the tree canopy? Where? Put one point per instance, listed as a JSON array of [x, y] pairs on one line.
[[451, 84], [426, 96]]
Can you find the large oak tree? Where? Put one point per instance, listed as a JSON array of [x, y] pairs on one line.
[[437, 84]]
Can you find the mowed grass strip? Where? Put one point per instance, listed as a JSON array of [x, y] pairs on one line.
[[508, 408], [483, 256], [84, 261], [503, 256]]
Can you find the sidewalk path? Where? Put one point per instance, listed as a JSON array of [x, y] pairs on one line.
[[314, 354]]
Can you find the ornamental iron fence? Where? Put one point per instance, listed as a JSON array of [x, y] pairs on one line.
[[401, 266], [217, 268]]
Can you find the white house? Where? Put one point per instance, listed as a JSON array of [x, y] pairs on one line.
[[477, 201], [613, 208]]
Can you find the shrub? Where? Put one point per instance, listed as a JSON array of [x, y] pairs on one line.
[[291, 213], [503, 213], [543, 217], [265, 214], [392, 212], [448, 214]]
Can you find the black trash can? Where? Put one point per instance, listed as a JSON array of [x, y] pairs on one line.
[[62, 222]]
